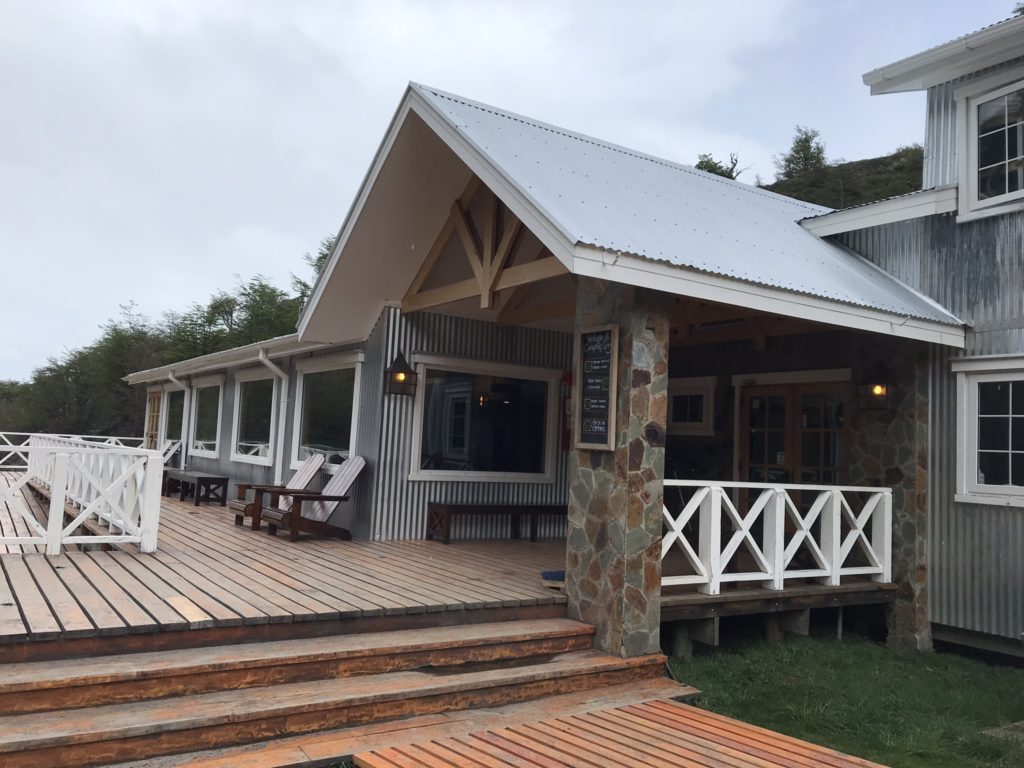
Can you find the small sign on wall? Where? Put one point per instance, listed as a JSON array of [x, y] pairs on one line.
[[595, 363]]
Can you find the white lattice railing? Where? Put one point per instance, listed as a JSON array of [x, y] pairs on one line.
[[758, 532], [18, 460], [88, 479]]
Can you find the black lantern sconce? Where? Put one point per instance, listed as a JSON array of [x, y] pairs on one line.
[[875, 390], [400, 378]]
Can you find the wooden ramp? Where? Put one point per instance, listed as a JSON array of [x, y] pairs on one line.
[[657, 733]]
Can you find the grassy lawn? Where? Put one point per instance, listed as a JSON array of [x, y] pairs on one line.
[[901, 709]]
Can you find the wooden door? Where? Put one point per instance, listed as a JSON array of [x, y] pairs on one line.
[[151, 433], [794, 434]]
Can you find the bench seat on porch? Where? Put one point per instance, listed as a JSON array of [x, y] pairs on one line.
[[440, 515]]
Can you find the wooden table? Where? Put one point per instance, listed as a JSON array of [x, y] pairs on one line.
[[202, 485]]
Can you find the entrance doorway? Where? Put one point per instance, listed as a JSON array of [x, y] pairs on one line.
[[152, 428], [794, 434]]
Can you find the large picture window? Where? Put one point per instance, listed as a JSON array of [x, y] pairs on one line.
[[325, 408], [205, 419], [476, 421], [255, 409], [990, 451]]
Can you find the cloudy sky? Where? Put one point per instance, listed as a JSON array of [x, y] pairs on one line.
[[153, 151]]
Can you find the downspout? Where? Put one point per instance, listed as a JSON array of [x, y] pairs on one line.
[[186, 418], [282, 414]]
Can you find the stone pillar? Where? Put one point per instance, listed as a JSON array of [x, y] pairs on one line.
[[890, 448], [613, 562]]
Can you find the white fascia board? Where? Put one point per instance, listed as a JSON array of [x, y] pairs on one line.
[[283, 346], [632, 270], [525, 208], [915, 206], [946, 62], [988, 364]]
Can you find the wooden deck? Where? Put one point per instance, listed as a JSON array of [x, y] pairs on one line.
[[230, 584], [656, 733]]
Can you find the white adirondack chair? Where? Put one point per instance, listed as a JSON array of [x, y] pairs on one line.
[[311, 510], [277, 497]]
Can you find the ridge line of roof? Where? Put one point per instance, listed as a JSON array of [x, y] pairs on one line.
[[627, 151]]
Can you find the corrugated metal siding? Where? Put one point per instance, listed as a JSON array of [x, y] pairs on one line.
[[940, 145], [976, 269], [399, 503]]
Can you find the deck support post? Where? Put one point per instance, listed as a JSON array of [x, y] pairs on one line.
[[613, 559]]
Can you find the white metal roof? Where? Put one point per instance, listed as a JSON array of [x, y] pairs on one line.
[[994, 44], [625, 202]]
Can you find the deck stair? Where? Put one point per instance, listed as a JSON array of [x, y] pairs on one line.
[[129, 707]]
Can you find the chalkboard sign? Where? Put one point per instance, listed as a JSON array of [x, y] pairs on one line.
[[595, 382]]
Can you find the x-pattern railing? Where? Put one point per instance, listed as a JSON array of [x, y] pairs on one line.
[[85, 479], [845, 531]]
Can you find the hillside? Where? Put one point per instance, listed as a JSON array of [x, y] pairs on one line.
[[862, 181]]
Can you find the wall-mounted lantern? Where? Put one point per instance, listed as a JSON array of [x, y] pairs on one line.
[[400, 378], [875, 390]]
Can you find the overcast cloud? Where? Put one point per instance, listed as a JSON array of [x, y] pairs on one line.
[[153, 151]]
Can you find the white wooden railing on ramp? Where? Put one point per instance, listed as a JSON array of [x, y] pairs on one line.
[[87, 479], [773, 534]]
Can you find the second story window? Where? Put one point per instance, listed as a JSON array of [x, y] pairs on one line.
[[1000, 121]]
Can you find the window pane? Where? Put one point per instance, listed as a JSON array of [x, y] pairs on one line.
[[1018, 398], [1015, 107], [176, 406], [994, 433], [834, 411], [1015, 141], [256, 403], [994, 398], [833, 452], [326, 424], [992, 182], [991, 115], [480, 423], [776, 412], [207, 411], [994, 468], [810, 411], [992, 149], [811, 449], [776, 447], [756, 447], [1015, 176], [1017, 469], [688, 409]]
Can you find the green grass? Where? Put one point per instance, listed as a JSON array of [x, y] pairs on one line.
[[903, 709]]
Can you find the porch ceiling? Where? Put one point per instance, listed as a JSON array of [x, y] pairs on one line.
[[602, 211]]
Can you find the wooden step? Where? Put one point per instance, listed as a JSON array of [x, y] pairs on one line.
[[117, 732], [72, 683]]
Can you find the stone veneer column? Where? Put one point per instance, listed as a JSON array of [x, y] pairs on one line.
[[613, 559], [890, 448]]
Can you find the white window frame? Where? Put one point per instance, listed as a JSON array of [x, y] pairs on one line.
[[550, 376], [968, 97], [242, 377], [197, 385], [353, 360], [694, 385], [969, 373], [165, 411]]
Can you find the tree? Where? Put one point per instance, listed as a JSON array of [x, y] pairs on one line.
[[316, 262], [708, 164], [806, 154], [1018, 9]]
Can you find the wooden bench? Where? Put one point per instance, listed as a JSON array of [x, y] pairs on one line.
[[439, 516], [204, 486]]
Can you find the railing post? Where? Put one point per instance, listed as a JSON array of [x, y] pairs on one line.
[[149, 517], [55, 517], [774, 543], [881, 537], [711, 540], [831, 534]]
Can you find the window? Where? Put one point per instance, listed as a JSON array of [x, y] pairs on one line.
[[991, 147], [325, 406], [691, 404], [205, 418], [255, 410], [175, 414], [990, 446], [483, 421]]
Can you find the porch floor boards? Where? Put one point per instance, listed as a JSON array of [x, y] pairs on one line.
[[228, 583]]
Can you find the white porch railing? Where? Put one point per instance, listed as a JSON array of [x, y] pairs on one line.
[[93, 478], [18, 460], [759, 532]]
